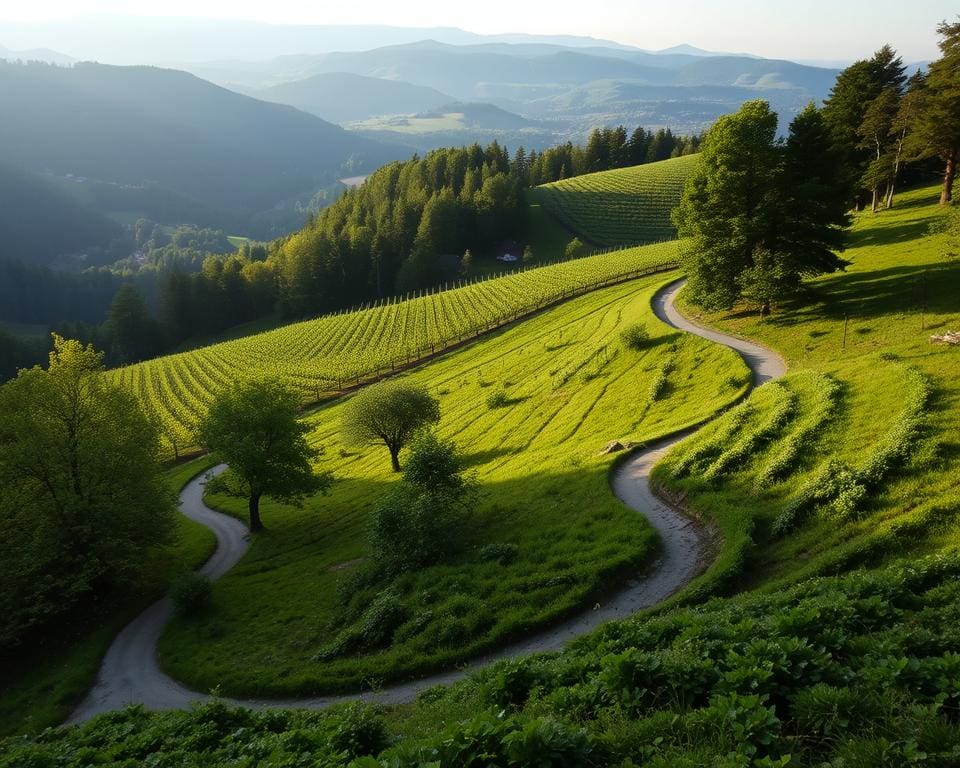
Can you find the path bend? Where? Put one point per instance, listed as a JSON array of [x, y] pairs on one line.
[[130, 672]]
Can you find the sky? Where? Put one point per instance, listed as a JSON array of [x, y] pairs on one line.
[[808, 29]]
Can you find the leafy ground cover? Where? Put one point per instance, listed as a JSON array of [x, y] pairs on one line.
[[304, 611], [858, 671], [46, 680], [622, 207]]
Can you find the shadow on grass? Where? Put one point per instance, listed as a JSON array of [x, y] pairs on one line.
[[931, 287]]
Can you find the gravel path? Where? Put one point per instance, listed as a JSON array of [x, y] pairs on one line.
[[130, 673]]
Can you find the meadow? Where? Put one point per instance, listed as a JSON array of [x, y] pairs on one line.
[[619, 208], [859, 473], [546, 536], [857, 669]]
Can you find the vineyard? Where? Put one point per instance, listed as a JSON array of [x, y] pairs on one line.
[[323, 356], [620, 207]]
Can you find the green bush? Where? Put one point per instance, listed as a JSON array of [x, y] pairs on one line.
[[502, 553], [498, 399], [190, 592], [635, 336], [358, 730], [415, 525]]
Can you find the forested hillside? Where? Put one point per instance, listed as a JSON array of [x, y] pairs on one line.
[[138, 127], [344, 97], [39, 223]]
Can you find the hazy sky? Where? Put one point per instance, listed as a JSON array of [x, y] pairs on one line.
[[812, 29]]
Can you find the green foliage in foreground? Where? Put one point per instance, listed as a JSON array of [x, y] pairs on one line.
[[860, 672], [83, 494], [52, 675], [622, 206]]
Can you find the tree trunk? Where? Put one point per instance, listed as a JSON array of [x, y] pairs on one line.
[[946, 194], [395, 459], [875, 203], [765, 309], [254, 506]]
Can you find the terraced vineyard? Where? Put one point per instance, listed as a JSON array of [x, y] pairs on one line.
[[623, 207], [325, 355]]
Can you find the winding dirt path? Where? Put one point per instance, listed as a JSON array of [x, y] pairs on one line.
[[130, 672]]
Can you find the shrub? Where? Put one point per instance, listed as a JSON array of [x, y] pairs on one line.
[[410, 530], [433, 465], [635, 336], [498, 399], [498, 552], [359, 730], [415, 525], [190, 593], [658, 386]]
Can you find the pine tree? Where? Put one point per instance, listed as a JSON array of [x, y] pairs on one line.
[[760, 215], [938, 125], [724, 210]]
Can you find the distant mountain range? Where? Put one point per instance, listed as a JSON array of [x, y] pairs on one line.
[[193, 144], [36, 54], [561, 92], [343, 97]]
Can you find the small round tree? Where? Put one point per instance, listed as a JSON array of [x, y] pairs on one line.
[[575, 248], [253, 427], [391, 413]]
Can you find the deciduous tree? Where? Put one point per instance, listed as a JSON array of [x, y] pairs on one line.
[[391, 413], [84, 496], [254, 428]]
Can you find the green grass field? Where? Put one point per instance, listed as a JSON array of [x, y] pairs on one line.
[[58, 672], [622, 207], [846, 470], [323, 357], [544, 489], [840, 402], [898, 290]]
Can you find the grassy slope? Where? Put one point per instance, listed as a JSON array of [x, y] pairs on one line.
[[620, 207], [544, 487], [858, 671], [60, 672], [897, 291], [897, 270]]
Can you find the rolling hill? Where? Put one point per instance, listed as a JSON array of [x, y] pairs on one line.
[[136, 127], [622, 207], [39, 222], [343, 97], [576, 88]]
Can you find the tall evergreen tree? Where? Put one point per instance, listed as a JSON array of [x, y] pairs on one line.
[[844, 110], [761, 215], [937, 131], [725, 210], [130, 330]]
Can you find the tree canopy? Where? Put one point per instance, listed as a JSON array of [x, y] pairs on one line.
[[759, 214], [84, 495], [938, 117], [254, 428], [390, 412]]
